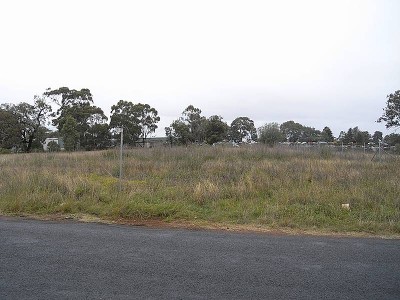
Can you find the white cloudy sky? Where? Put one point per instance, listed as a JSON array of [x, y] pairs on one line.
[[320, 63]]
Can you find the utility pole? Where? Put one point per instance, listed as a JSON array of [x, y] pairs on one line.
[[121, 131], [380, 145]]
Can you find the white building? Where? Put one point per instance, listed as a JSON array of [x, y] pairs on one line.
[[57, 140]]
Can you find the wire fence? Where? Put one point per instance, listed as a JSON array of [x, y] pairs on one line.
[[375, 152]]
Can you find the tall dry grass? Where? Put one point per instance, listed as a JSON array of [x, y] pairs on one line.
[[254, 185]]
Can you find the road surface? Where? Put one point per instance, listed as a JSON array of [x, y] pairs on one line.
[[69, 260]]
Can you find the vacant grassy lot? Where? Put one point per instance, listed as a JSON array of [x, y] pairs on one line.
[[257, 185]]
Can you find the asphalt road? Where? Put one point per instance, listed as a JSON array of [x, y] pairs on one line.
[[69, 260]]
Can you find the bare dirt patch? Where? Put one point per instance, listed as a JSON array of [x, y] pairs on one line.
[[199, 225]]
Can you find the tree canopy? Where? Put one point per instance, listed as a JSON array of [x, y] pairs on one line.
[[70, 133], [10, 129], [63, 96], [192, 117], [178, 132], [84, 125], [270, 134], [148, 119], [243, 128], [326, 135], [216, 130], [356, 136], [391, 113], [296, 132], [189, 128], [78, 105], [28, 120], [192, 127], [138, 120], [123, 115]]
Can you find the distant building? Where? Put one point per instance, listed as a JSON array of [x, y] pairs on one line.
[[59, 141], [155, 142]]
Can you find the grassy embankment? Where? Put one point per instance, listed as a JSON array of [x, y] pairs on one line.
[[256, 186]]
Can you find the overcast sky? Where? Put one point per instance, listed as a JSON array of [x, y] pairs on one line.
[[319, 63]]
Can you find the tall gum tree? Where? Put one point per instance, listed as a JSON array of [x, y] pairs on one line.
[[243, 128], [70, 134], [148, 119], [189, 128], [138, 120], [216, 130], [195, 122], [123, 115], [77, 104]]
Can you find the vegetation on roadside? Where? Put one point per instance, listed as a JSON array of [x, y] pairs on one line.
[[252, 185]]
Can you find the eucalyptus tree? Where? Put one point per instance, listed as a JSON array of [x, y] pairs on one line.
[[216, 130], [189, 128], [243, 128], [271, 134], [123, 115], [178, 133], [148, 119], [292, 131], [77, 104], [70, 134], [24, 123], [195, 122], [9, 129], [391, 113], [138, 120]]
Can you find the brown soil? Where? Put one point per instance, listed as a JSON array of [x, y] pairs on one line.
[[200, 225]]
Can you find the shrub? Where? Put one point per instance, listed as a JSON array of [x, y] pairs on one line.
[[53, 147]]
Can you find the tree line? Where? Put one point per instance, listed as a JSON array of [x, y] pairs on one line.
[[80, 123], [84, 126]]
